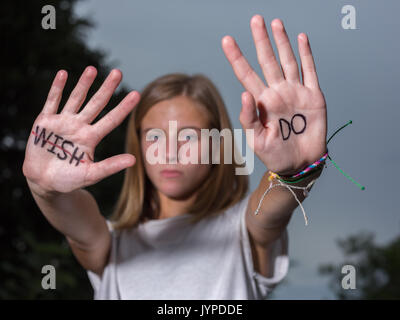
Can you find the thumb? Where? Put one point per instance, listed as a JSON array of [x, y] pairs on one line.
[[248, 116], [99, 170]]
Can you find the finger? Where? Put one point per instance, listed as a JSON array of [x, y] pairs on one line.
[[99, 170], [55, 93], [286, 55], [249, 118], [265, 53], [101, 97], [243, 71], [310, 78], [114, 118], [78, 95]]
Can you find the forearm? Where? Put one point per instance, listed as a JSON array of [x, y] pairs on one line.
[[74, 214]]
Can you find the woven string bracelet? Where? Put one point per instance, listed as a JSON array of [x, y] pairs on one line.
[[316, 166], [310, 167], [280, 183]]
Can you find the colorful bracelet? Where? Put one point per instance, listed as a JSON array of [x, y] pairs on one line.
[[311, 169], [280, 183], [312, 166], [310, 173], [304, 173]]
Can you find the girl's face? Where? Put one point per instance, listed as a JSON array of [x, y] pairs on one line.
[[190, 118]]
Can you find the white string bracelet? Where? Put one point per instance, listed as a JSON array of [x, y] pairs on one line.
[[280, 183]]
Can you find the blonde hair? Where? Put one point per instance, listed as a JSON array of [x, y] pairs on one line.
[[222, 189]]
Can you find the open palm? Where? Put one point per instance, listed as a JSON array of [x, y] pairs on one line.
[[60, 149], [290, 126]]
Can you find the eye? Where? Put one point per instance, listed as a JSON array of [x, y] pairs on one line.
[[188, 135], [154, 135]]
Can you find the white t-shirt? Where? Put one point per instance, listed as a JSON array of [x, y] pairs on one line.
[[172, 259]]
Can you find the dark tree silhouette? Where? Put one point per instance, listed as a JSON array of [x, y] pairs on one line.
[[377, 268], [30, 57]]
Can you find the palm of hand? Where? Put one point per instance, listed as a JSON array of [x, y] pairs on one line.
[[290, 126], [60, 150], [60, 153]]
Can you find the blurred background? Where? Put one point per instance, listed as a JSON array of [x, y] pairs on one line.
[[358, 70]]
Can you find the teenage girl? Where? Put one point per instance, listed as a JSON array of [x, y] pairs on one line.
[[182, 230]]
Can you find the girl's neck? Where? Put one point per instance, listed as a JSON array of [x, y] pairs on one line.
[[170, 207]]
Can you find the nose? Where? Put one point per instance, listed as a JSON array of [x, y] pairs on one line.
[[172, 150]]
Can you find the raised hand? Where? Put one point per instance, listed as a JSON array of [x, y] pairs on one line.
[[60, 149], [290, 126]]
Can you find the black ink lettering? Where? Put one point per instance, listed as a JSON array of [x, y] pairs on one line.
[[63, 149], [74, 155], [42, 136], [78, 159], [55, 143], [291, 127], [288, 125], [305, 123]]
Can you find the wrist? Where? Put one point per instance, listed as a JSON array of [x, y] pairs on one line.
[[41, 192], [312, 169], [316, 171], [304, 181]]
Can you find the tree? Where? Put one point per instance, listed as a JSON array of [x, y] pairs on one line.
[[377, 268], [30, 58]]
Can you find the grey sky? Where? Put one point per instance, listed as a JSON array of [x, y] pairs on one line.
[[358, 72]]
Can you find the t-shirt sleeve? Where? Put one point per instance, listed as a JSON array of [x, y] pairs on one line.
[[94, 278], [262, 285]]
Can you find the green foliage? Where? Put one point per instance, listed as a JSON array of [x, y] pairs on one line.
[[377, 268], [30, 57]]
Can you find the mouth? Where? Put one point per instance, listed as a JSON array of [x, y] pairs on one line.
[[171, 173]]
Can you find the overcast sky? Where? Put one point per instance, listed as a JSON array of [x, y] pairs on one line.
[[358, 72]]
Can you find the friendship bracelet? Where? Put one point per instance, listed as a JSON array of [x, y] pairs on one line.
[[280, 183], [309, 173], [316, 166], [309, 168]]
